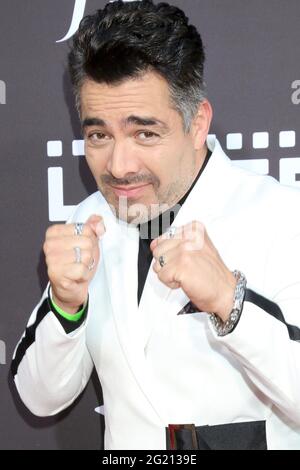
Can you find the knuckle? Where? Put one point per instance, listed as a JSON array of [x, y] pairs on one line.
[[52, 259], [51, 273], [52, 230], [49, 232], [49, 246], [47, 260], [46, 248]]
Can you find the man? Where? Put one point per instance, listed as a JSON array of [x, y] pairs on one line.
[[179, 279]]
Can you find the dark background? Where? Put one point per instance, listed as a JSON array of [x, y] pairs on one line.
[[253, 57]]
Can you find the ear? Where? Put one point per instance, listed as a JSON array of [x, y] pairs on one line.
[[201, 124]]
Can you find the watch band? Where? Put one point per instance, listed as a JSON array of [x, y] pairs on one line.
[[223, 328]]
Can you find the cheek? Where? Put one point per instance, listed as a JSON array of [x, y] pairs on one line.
[[96, 162], [167, 168]]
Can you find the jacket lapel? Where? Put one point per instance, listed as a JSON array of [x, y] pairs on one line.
[[205, 203]]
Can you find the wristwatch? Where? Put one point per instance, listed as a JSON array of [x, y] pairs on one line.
[[223, 328]]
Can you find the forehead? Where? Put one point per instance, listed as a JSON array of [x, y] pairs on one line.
[[148, 94]]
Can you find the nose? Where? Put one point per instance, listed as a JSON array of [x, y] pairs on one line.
[[123, 160]]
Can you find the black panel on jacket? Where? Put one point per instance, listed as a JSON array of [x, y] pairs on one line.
[[274, 310], [29, 337]]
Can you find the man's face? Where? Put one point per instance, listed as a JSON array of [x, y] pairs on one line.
[[136, 147]]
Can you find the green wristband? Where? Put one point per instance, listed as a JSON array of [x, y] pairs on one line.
[[66, 315]]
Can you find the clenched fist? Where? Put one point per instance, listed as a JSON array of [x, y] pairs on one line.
[[190, 260], [69, 278]]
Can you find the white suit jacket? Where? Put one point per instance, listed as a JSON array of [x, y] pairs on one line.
[[158, 368]]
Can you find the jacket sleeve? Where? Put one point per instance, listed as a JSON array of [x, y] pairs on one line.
[[51, 364], [266, 341]]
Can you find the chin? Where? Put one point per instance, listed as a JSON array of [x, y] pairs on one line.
[[134, 217], [132, 212]]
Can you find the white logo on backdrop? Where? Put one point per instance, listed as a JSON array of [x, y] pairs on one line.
[[2, 353], [58, 211], [289, 168], [2, 92], [78, 13], [296, 95]]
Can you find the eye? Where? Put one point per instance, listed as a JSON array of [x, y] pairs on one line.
[[147, 135], [97, 137]]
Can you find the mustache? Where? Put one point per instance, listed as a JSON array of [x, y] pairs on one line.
[[128, 181]]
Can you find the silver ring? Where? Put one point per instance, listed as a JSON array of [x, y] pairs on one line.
[[162, 261], [78, 228], [171, 232], [77, 254], [92, 264]]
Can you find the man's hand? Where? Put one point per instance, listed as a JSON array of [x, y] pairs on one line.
[[70, 279], [193, 263]]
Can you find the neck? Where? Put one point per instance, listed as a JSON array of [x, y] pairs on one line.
[[199, 162], [200, 158]]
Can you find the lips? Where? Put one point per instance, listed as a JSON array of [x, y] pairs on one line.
[[129, 191]]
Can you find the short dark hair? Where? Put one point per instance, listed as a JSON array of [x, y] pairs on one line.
[[127, 39]]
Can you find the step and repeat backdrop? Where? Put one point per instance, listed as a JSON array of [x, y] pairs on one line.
[[253, 79]]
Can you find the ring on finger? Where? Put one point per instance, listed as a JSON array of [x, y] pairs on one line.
[[92, 264], [77, 254], [162, 261], [78, 229], [171, 232]]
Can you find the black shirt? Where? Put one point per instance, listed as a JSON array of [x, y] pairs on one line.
[[158, 226]]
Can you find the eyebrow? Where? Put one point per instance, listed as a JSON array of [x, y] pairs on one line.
[[145, 121], [137, 120], [88, 122]]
